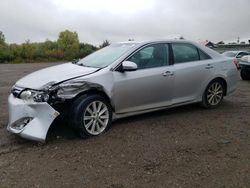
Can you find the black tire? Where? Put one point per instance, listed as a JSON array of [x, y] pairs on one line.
[[206, 98], [244, 75], [79, 111]]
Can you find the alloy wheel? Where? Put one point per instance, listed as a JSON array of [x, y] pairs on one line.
[[215, 93], [96, 117]]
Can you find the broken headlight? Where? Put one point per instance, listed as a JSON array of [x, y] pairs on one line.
[[36, 96]]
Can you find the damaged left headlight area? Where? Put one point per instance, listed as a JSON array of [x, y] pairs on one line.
[[52, 93], [57, 95], [33, 95]]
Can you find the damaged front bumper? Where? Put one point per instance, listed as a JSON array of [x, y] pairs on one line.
[[29, 119]]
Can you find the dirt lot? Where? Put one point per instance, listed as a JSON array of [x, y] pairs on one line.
[[182, 147]]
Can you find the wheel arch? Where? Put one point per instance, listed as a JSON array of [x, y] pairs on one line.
[[94, 91]]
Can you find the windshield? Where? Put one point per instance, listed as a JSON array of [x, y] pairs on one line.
[[230, 54], [106, 56]]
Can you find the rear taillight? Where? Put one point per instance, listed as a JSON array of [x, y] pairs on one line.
[[236, 62]]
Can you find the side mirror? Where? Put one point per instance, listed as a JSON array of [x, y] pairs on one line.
[[129, 66], [74, 61]]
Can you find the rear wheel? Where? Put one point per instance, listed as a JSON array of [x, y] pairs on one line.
[[213, 94], [91, 115]]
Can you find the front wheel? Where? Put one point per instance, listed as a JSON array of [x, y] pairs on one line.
[[91, 115], [213, 94]]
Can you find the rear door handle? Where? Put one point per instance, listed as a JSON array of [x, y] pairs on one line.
[[168, 73], [209, 66]]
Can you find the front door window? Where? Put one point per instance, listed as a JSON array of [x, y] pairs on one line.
[[155, 55]]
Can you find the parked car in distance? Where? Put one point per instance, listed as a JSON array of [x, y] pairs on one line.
[[117, 81], [245, 67], [236, 55]]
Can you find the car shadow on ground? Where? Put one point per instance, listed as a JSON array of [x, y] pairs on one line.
[[61, 130]]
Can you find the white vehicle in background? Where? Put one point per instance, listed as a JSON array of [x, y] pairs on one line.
[[117, 81], [236, 56]]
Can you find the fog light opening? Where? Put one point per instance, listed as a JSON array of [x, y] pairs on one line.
[[21, 123]]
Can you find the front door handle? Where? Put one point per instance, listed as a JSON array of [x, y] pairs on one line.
[[168, 73], [209, 66]]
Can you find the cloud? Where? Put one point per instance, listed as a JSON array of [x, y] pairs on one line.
[[119, 20]]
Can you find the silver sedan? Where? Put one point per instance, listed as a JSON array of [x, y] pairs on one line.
[[120, 80]]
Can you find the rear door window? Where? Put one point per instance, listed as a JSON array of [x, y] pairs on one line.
[[184, 53]]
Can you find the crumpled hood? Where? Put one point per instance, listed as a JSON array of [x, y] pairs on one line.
[[58, 73]]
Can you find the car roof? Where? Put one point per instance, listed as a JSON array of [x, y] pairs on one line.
[[236, 51], [155, 41]]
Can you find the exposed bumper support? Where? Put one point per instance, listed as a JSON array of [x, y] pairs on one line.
[[30, 120]]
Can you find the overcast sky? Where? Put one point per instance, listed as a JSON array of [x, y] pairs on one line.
[[119, 20]]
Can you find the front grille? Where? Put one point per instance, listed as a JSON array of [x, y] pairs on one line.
[[16, 91]]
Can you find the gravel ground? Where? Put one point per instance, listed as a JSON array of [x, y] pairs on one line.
[[181, 147]]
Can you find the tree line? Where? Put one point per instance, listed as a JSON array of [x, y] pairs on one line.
[[66, 48]]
